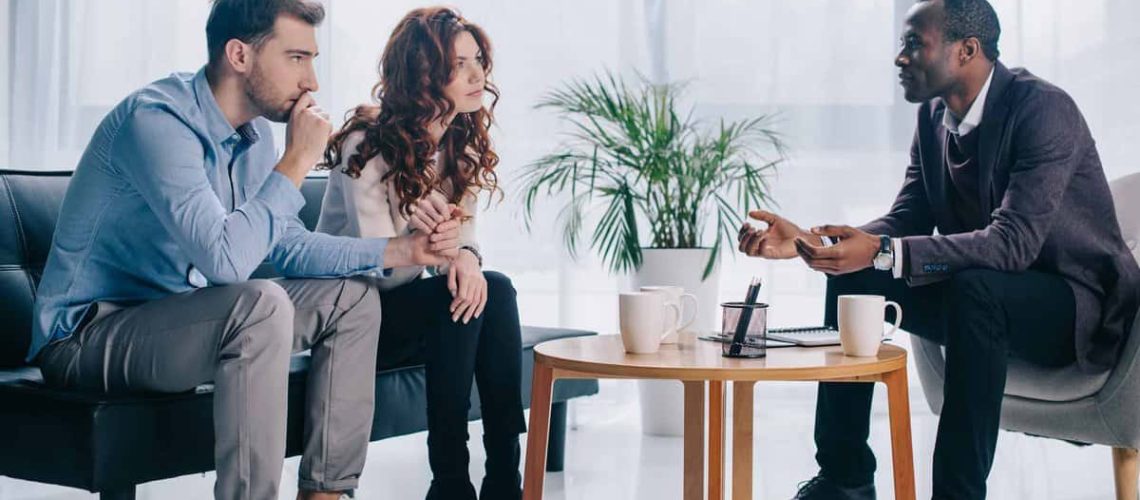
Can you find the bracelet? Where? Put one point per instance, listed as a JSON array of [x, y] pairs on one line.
[[474, 252]]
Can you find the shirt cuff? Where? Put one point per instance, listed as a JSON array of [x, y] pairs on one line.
[[362, 257], [896, 249], [381, 273], [372, 254]]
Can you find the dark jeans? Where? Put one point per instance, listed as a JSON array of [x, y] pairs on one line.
[[416, 327], [981, 317]]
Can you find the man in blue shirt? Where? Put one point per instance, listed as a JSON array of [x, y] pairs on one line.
[[176, 201]]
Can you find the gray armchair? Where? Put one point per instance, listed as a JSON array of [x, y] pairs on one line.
[[1066, 403]]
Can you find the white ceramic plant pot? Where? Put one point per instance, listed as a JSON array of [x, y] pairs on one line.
[[662, 401]]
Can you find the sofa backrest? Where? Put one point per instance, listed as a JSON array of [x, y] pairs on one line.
[[29, 208]]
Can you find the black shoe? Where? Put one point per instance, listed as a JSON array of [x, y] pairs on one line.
[[821, 488]]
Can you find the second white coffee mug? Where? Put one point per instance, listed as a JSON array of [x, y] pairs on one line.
[[676, 295], [861, 323], [645, 318]]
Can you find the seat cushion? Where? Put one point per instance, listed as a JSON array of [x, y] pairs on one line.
[[534, 335], [1023, 379], [1026, 380]]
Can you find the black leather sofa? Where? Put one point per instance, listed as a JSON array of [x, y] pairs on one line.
[[111, 443]]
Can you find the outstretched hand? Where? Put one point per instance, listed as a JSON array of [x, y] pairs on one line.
[[776, 241], [855, 250]]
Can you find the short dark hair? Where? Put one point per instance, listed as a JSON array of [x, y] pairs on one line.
[[972, 18], [251, 21]]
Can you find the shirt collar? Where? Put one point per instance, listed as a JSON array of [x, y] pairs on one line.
[[217, 125], [973, 116]]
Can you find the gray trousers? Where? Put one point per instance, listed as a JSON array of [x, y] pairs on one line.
[[240, 337]]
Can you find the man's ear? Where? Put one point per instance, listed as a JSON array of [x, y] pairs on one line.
[[239, 55], [971, 48]]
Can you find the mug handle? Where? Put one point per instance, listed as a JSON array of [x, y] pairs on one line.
[[675, 321], [898, 316], [693, 298]]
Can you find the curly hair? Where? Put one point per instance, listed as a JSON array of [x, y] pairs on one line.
[[417, 63]]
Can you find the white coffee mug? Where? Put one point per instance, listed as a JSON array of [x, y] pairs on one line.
[[675, 295], [645, 319], [861, 323]]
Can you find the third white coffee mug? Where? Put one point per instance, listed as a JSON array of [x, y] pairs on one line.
[[861, 323], [645, 318], [676, 295]]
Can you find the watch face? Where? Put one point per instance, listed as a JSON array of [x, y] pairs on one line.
[[883, 262]]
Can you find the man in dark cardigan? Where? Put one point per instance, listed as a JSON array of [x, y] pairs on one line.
[[1028, 258]]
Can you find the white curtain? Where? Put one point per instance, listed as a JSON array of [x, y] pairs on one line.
[[71, 61], [37, 36], [824, 65], [5, 81]]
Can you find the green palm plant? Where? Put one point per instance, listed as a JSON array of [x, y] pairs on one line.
[[630, 149]]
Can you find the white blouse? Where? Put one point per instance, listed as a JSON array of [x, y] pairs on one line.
[[367, 207]]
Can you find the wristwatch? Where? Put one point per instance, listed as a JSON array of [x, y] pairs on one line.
[[478, 256], [885, 259]]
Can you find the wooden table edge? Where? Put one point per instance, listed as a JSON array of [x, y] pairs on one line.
[[870, 372]]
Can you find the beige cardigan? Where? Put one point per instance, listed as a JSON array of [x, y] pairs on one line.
[[367, 207]]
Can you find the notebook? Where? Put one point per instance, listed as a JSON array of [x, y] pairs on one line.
[[806, 336]]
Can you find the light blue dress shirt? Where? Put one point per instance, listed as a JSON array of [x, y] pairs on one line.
[[169, 197]]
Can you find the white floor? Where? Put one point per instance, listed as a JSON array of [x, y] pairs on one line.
[[608, 458]]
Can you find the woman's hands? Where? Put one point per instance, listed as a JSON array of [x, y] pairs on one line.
[[468, 287], [429, 212], [465, 277]]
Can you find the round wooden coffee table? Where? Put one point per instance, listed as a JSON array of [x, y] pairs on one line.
[[697, 363]]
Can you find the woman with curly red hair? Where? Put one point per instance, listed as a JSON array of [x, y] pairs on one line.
[[418, 157]]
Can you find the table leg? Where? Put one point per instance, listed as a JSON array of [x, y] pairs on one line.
[[538, 431], [694, 482], [902, 454], [716, 440], [742, 440]]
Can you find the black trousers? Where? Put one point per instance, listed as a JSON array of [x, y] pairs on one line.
[[981, 317], [416, 327]]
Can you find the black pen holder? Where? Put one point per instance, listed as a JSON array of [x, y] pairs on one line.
[[755, 330]]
